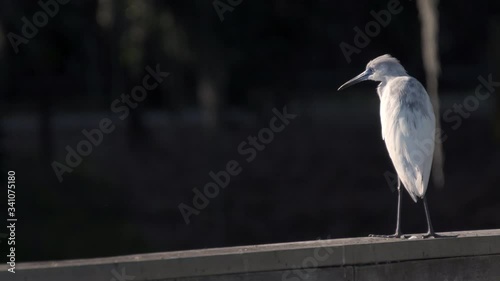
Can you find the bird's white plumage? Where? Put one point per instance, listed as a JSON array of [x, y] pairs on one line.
[[408, 129], [408, 121]]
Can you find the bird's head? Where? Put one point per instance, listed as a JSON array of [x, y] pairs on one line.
[[378, 69]]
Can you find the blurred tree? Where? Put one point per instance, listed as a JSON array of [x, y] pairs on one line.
[[39, 60], [91, 48], [171, 42], [109, 16], [137, 26], [211, 64], [430, 54]]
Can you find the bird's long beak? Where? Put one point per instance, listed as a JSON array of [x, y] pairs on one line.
[[361, 77]]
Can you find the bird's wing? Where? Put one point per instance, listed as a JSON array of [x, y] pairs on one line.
[[408, 128]]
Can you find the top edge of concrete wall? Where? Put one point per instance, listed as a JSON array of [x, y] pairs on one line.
[[258, 258]]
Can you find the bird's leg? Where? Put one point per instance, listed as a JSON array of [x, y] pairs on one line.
[[398, 219], [398, 233], [430, 230]]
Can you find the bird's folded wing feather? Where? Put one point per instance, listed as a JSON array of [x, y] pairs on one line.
[[408, 128]]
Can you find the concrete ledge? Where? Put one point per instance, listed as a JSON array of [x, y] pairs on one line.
[[473, 255]]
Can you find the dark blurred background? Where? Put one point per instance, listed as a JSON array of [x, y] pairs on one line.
[[230, 64]]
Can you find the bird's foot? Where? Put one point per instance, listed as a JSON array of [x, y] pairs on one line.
[[395, 235], [435, 235]]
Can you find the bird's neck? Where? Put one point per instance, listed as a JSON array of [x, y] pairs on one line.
[[389, 76], [380, 88]]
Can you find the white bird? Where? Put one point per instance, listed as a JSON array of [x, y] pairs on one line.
[[408, 128]]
